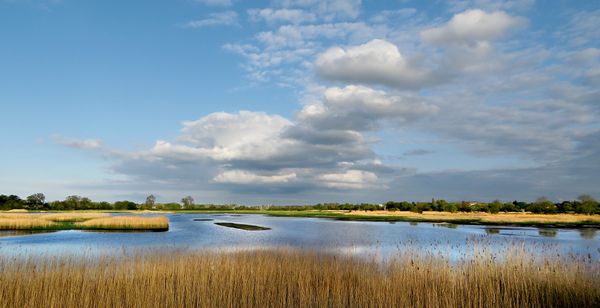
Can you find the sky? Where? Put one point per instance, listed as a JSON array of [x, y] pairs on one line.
[[300, 101]]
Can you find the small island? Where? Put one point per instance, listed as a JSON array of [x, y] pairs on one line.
[[80, 221]]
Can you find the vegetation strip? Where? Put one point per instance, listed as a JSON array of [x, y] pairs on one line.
[[242, 226], [81, 221], [292, 278]]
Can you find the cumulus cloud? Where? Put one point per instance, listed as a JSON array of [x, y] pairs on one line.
[[471, 27], [247, 177], [227, 18], [351, 179], [361, 108], [496, 96], [324, 146], [245, 135], [283, 53], [375, 62]]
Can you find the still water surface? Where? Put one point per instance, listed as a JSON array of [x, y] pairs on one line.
[[353, 237]]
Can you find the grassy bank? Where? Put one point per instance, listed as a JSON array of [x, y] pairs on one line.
[[284, 278], [81, 221]]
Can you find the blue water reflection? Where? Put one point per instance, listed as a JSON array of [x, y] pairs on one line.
[[375, 238]]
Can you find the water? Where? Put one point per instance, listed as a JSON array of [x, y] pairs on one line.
[[350, 237]]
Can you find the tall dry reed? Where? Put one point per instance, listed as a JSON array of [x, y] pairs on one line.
[[27, 223], [73, 216], [127, 222], [288, 278]]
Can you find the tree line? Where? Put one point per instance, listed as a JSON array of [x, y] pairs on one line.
[[584, 204]]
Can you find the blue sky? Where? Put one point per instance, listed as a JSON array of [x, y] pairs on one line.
[[300, 101]]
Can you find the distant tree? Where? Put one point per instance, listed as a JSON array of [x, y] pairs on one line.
[[125, 205], [464, 207], [36, 201], [187, 202], [542, 205], [508, 207], [494, 206], [450, 207], [72, 202], [150, 201], [586, 205], [440, 205]]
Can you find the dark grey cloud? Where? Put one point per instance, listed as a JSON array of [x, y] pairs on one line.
[[564, 180]]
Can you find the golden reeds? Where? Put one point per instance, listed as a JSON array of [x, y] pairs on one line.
[[57, 217], [128, 222], [24, 223], [481, 216], [286, 278], [73, 216], [17, 211]]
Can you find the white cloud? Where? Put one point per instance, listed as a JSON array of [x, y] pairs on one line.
[[366, 103], [227, 18], [283, 54], [582, 28], [471, 27], [294, 16], [528, 101], [351, 179], [326, 9], [247, 177], [491, 5], [375, 62], [223, 136], [393, 15], [85, 144]]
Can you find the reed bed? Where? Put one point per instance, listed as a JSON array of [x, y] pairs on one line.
[[482, 217], [89, 221], [127, 223], [56, 217], [28, 223], [17, 215], [293, 278], [72, 217], [17, 211]]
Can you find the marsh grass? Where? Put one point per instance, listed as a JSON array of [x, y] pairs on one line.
[[127, 223], [19, 223], [17, 211], [73, 217], [482, 217], [293, 278], [520, 219], [85, 221]]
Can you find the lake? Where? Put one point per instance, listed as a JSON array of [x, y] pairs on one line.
[[199, 231]]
